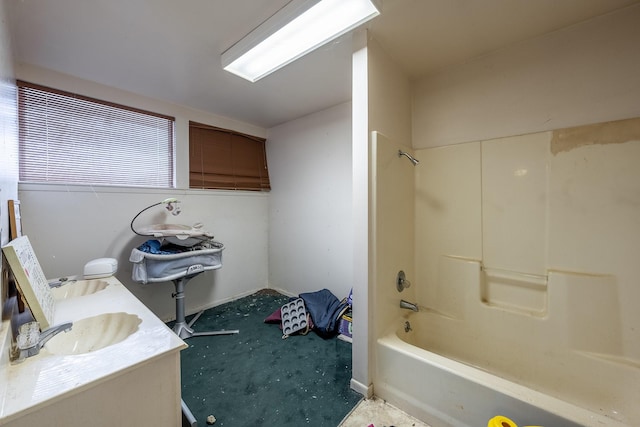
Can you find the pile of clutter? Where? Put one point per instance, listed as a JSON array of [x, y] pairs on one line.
[[320, 311]]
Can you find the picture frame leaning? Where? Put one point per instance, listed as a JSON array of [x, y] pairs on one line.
[[15, 219]]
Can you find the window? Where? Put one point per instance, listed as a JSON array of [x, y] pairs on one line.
[[224, 159], [69, 138]]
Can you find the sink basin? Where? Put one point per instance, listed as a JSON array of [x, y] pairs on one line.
[[94, 333], [79, 288]]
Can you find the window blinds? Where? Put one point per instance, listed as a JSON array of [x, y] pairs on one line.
[[224, 159], [68, 138]]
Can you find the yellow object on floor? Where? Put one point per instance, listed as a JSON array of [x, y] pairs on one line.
[[500, 421]]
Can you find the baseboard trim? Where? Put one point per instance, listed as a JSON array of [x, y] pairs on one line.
[[357, 386]]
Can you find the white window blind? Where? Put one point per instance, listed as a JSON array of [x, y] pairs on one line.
[[68, 138]]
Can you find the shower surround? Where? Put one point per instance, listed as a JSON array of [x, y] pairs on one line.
[[525, 270]]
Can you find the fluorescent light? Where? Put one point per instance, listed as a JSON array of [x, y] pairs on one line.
[[295, 30]]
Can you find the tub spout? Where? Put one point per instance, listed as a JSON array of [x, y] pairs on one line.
[[407, 305]]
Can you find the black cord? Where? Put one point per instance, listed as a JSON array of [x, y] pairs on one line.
[[134, 218]]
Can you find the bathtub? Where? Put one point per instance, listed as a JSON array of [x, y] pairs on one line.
[[427, 373]]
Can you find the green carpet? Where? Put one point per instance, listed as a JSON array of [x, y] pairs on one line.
[[256, 378]]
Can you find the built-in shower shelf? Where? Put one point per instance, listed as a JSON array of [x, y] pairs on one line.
[[514, 291]]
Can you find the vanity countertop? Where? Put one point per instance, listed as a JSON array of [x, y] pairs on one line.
[[45, 378]]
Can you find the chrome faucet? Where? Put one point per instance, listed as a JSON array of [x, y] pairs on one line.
[[56, 283], [30, 340], [408, 305]]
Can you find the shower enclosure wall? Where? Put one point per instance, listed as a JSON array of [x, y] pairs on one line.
[[524, 267]]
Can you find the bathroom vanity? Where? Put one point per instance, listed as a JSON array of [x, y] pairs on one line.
[[119, 365]]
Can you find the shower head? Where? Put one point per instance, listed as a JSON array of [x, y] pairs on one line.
[[408, 156]]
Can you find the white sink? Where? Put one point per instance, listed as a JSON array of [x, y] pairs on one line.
[[94, 333], [79, 288]]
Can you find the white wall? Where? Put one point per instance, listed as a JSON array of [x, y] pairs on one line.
[[310, 204], [391, 216], [582, 221], [392, 231], [382, 103], [69, 225], [361, 379], [583, 74], [8, 141], [8, 127], [390, 94]]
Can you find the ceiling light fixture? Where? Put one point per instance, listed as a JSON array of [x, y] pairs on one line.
[[295, 30]]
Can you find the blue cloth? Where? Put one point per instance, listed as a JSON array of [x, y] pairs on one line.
[[325, 310], [154, 247]]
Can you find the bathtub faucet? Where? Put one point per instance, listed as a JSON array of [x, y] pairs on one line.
[[408, 305]]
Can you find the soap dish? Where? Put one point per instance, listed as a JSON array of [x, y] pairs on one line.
[[294, 317]]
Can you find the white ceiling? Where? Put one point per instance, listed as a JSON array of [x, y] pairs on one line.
[[170, 50]]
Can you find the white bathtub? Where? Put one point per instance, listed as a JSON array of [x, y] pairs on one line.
[[441, 391]]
